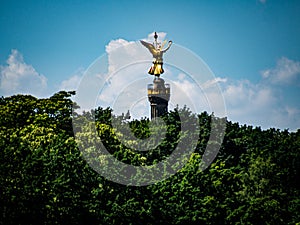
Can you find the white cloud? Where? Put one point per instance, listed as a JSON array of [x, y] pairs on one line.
[[213, 82], [259, 104], [286, 71], [181, 76], [264, 103], [128, 63], [246, 101], [197, 97], [184, 92], [72, 83], [114, 44], [121, 52], [17, 77], [113, 80], [161, 37]]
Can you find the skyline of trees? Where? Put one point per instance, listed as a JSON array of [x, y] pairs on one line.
[[46, 180]]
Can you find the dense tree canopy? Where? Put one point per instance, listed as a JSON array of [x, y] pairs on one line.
[[44, 178]]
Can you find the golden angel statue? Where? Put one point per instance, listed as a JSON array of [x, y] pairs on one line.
[[157, 53]]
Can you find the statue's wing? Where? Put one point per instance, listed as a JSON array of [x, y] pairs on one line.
[[150, 46], [163, 44]]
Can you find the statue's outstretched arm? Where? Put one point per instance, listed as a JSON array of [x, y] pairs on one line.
[[167, 48]]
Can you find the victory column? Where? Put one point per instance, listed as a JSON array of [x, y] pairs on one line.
[[158, 92]]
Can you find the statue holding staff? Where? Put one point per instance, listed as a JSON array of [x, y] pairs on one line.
[[157, 53]]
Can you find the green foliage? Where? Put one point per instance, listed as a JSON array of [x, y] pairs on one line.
[[44, 178]]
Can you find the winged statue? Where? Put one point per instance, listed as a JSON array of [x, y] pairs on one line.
[[157, 51]]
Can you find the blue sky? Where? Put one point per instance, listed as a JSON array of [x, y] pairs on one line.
[[251, 46]]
